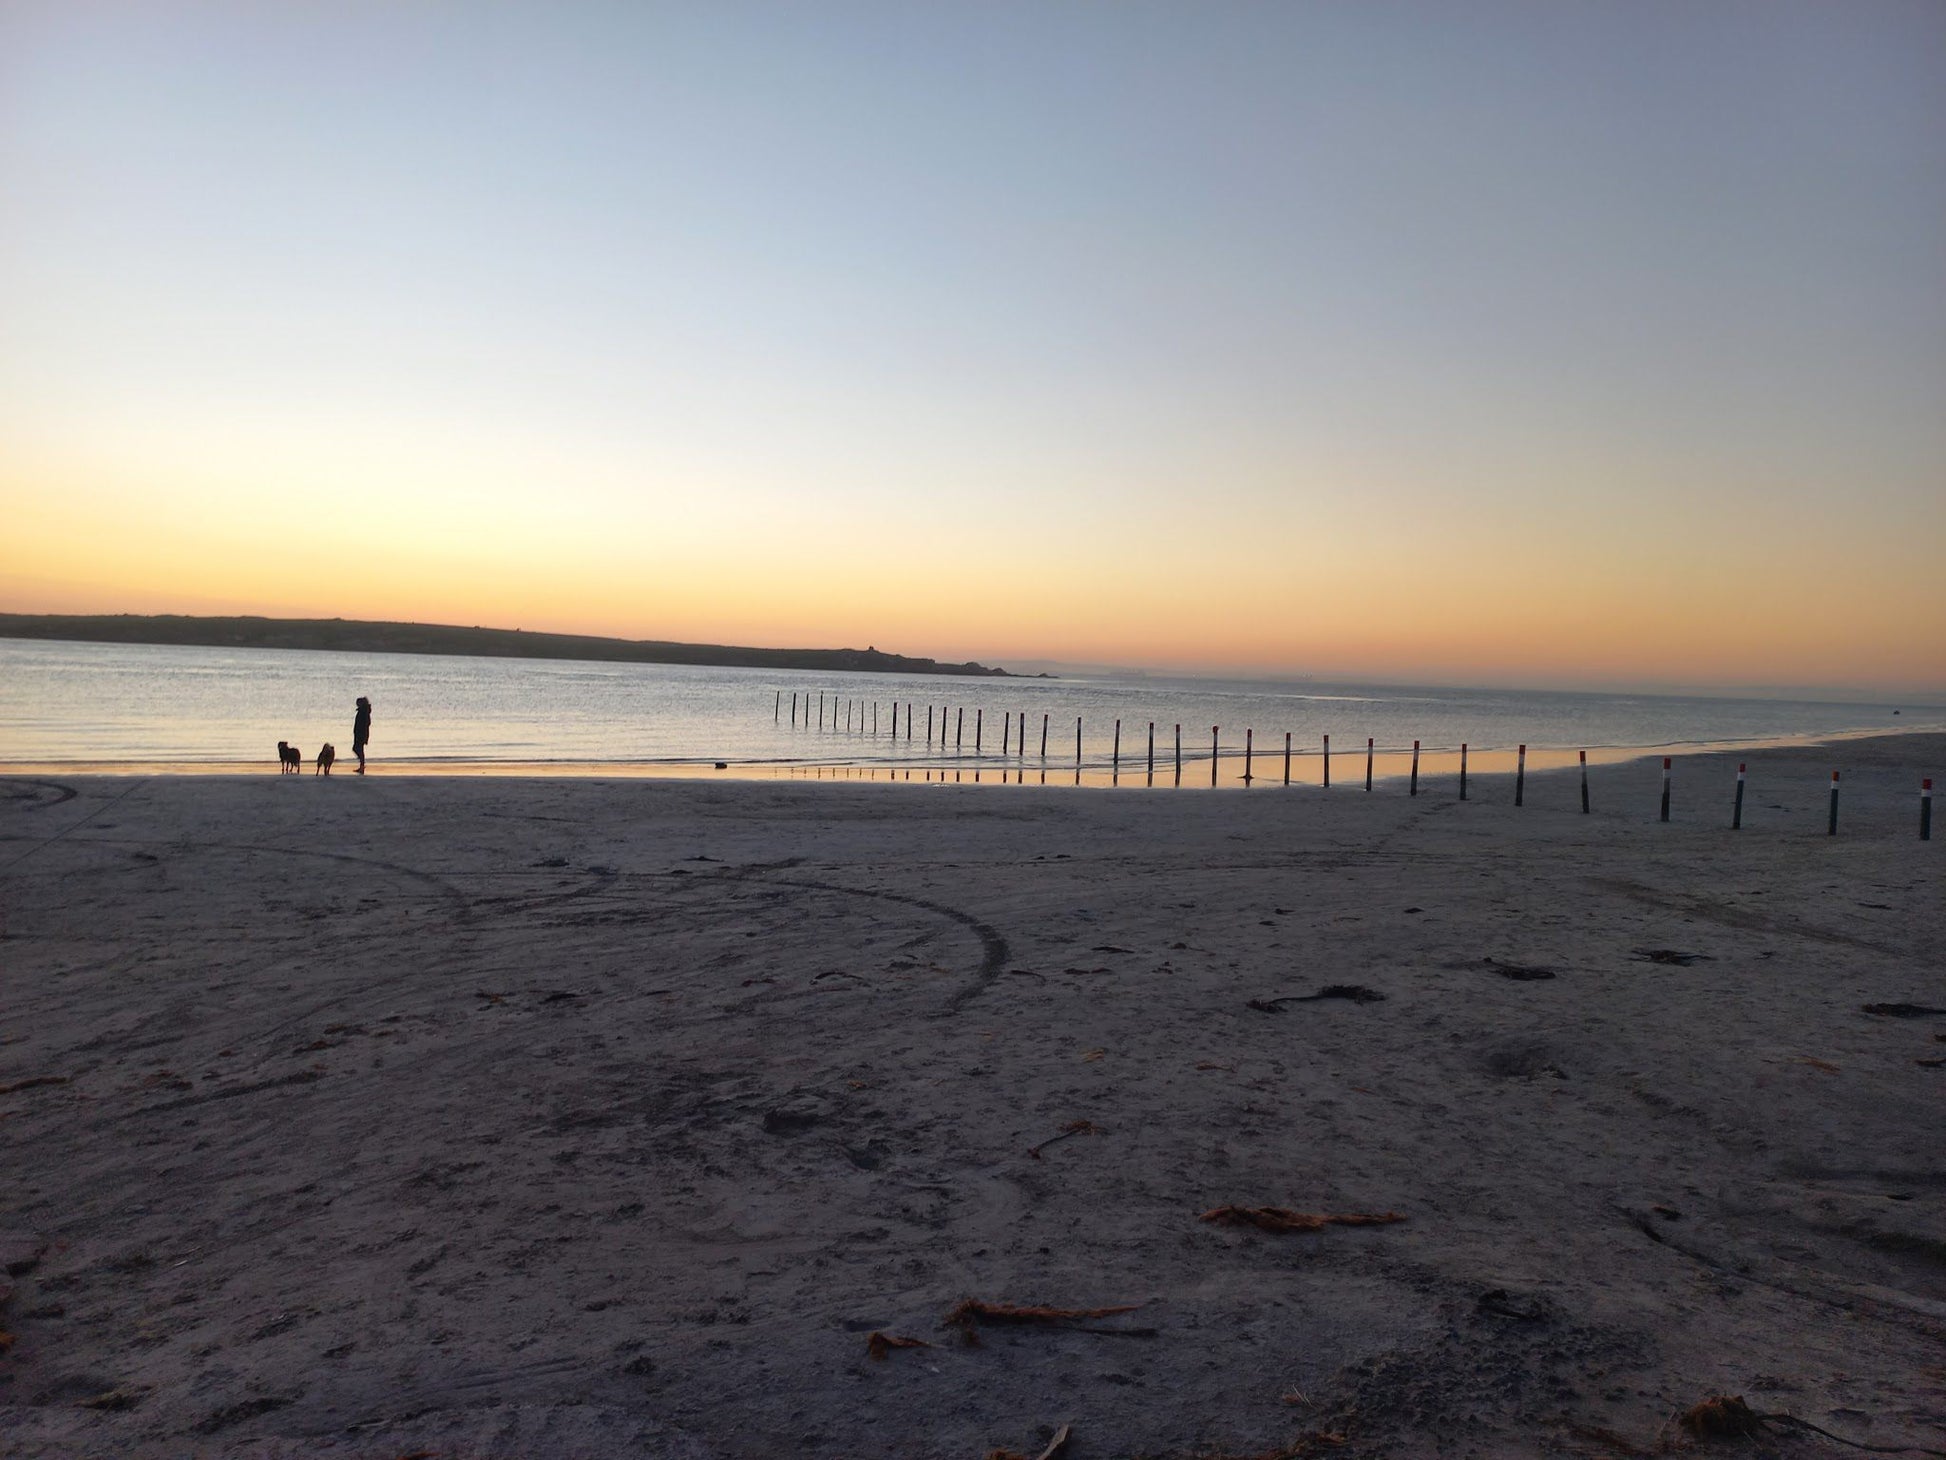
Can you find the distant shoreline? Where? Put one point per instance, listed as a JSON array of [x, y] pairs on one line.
[[360, 636]]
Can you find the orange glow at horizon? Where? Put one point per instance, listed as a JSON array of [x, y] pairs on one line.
[[1501, 601]]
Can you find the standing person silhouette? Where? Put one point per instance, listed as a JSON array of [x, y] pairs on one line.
[[361, 731]]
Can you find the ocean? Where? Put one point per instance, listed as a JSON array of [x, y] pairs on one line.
[[164, 708]]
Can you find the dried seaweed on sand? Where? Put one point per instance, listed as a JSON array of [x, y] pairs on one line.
[[880, 1345], [969, 1313], [1072, 1128], [1283, 1219]]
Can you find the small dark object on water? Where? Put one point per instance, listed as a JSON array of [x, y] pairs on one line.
[[1721, 1416], [1903, 1011], [1672, 956], [1349, 991], [722, 765], [1520, 972]]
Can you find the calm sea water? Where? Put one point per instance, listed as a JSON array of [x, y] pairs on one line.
[[195, 707]]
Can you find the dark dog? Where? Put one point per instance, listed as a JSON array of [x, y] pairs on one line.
[[325, 757], [290, 760]]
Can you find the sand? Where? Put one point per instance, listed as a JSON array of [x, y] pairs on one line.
[[541, 1118]]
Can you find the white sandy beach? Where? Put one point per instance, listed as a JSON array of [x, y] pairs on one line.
[[541, 1118]]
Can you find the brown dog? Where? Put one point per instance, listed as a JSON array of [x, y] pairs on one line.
[[325, 757], [290, 760]]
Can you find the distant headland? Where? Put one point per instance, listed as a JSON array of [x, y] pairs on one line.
[[370, 637]]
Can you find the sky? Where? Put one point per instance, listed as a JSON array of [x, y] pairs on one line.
[[1502, 343]]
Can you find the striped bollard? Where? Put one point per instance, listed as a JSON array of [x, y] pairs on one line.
[[1736, 811], [1212, 756], [1287, 757], [1249, 749], [1831, 828], [1520, 777], [1462, 770], [1925, 809], [1327, 762], [1415, 769], [1584, 783], [1665, 788], [1368, 762]]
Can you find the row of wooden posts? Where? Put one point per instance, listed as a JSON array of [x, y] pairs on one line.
[[1008, 739]]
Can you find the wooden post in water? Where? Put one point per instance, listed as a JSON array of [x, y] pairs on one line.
[[1249, 748], [929, 724], [820, 709], [1151, 752], [1925, 809], [1178, 754], [793, 709], [1077, 747], [1006, 731], [1213, 752], [1327, 762], [1414, 791], [959, 729], [1832, 828], [1736, 810], [1520, 777], [1117, 770], [1287, 757], [1462, 770], [1584, 783], [1368, 762], [1043, 735], [777, 711], [1665, 788]]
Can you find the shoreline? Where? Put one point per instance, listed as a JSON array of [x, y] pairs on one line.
[[1390, 764]]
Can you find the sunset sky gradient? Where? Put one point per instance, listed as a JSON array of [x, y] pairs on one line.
[[1503, 343]]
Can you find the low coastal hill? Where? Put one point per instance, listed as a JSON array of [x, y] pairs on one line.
[[371, 637]]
